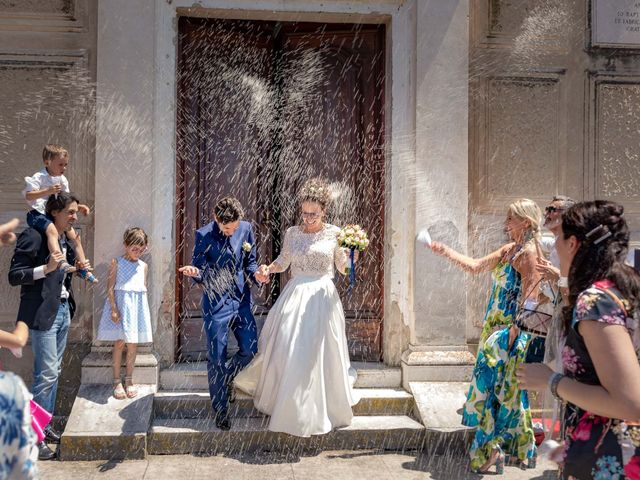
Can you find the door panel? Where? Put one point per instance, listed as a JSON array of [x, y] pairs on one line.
[[263, 106]]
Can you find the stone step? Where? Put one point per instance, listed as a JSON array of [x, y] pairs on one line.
[[193, 376], [439, 407], [189, 435], [373, 401], [102, 428], [97, 368]]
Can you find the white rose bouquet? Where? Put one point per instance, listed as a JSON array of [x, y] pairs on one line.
[[354, 238]]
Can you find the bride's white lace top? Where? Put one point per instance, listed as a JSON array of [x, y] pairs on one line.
[[311, 253]]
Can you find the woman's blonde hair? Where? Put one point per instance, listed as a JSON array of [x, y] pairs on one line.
[[529, 210]]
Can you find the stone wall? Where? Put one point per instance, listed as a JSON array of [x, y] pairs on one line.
[[47, 70]]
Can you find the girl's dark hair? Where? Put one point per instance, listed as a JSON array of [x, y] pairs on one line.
[[604, 241]]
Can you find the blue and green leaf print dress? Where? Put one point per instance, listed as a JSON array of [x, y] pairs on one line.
[[495, 404]]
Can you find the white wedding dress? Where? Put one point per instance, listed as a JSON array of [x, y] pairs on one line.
[[301, 375]]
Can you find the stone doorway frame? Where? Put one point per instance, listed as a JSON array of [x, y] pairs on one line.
[[400, 107], [427, 58]]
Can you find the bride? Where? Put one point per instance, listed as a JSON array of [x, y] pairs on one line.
[[300, 376]]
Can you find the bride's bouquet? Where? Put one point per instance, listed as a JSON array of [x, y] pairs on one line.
[[354, 238]]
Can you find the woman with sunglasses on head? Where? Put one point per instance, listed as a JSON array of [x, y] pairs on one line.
[[300, 376], [549, 268], [495, 404], [600, 385]]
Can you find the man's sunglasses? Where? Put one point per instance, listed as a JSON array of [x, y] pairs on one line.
[[552, 209]]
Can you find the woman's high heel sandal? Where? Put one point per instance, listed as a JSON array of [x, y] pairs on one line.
[[500, 464], [497, 458]]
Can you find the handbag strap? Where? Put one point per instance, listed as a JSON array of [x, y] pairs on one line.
[[616, 299]]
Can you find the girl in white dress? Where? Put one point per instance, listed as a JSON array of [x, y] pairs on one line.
[[126, 318], [301, 374]]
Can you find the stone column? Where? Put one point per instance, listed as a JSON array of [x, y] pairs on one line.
[[124, 169], [438, 350], [400, 213]]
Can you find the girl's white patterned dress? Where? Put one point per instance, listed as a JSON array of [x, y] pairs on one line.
[[131, 298]]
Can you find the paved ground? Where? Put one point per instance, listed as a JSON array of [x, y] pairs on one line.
[[356, 465]]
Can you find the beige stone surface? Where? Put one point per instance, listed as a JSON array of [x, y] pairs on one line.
[[330, 465], [102, 427], [191, 404], [193, 376], [190, 435], [438, 404]]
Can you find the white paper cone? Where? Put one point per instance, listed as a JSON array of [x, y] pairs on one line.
[[424, 237]]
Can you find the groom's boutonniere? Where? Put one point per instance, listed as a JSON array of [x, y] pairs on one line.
[[246, 246]]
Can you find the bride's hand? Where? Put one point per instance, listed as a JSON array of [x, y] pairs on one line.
[[356, 254], [262, 275]]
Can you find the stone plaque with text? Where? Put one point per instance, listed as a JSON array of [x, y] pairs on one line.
[[615, 23]]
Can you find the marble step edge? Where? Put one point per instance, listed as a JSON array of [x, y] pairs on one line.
[[193, 376], [196, 404], [201, 435]]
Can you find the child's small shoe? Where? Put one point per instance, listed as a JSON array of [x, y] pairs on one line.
[[87, 275], [118, 390], [130, 388]]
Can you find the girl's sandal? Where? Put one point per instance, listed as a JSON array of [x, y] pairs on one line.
[[131, 390], [118, 390]]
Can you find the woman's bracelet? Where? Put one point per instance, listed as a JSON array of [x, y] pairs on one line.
[[553, 385]]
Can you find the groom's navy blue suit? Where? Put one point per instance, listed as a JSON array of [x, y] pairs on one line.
[[225, 268]]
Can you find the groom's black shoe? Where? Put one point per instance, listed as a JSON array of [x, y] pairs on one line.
[[51, 436], [223, 422], [231, 393]]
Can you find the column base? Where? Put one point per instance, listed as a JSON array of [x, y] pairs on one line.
[[437, 364]]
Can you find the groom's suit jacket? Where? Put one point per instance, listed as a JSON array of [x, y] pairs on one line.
[[225, 268]]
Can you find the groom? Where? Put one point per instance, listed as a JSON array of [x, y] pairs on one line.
[[224, 258]]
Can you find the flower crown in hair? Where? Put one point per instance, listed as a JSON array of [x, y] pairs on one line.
[[318, 190], [606, 233]]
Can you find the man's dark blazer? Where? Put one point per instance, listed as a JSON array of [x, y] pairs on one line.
[[39, 299]]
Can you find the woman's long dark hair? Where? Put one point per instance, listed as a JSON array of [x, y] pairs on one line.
[[604, 241]]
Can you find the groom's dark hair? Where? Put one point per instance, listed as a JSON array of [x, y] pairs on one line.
[[228, 210]]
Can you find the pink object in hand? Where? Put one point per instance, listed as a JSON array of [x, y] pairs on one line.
[[40, 418]]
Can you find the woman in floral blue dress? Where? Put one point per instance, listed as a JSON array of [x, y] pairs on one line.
[[495, 405], [601, 357], [18, 449]]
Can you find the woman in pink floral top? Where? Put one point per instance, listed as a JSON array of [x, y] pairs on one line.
[[601, 357]]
